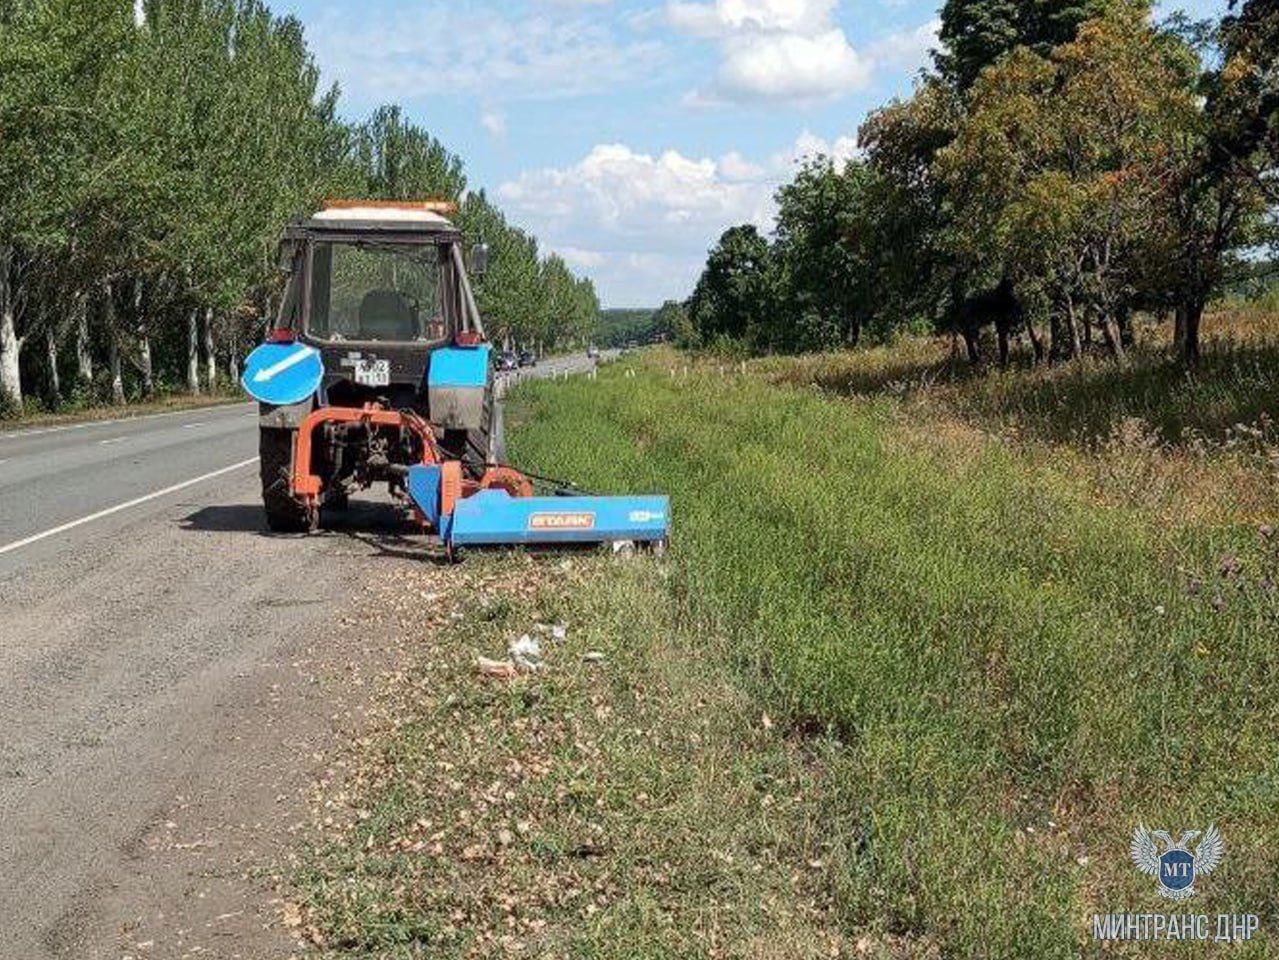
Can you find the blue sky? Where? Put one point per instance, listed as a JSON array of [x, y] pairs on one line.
[[627, 135]]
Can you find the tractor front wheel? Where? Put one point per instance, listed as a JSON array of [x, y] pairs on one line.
[[285, 513]]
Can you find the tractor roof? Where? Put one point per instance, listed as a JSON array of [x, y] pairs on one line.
[[399, 216]]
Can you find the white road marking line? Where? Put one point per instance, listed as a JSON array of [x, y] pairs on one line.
[[6, 460], [103, 443], [63, 528], [18, 434], [192, 426]]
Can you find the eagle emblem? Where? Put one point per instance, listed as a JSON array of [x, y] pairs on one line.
[[1176, 868]]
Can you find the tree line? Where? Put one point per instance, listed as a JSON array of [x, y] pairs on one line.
[[150, 155], [1062, 165]]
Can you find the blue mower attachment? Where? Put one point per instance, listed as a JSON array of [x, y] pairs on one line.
[[507, 513]]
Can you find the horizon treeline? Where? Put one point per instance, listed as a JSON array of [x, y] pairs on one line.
[[150, 157], [1063, 165]]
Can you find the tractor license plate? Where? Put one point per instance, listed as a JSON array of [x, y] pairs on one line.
[[373, 373]]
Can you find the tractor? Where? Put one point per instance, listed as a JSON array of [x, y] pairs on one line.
[[377, 370]]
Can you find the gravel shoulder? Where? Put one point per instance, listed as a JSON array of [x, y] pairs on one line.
[[171, 686]]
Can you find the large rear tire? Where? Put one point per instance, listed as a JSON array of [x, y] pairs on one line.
[[285, 513], [480, 447]]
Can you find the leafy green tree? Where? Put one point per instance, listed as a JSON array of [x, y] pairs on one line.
[[1220, 194], [1054, 186], [735, 298], [976, 33], [820, 255], [401, 161], [907, 209]]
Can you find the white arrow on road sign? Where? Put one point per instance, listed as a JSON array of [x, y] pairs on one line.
[[293, 359]]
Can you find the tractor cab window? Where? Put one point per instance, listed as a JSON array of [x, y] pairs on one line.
[[363, 291]]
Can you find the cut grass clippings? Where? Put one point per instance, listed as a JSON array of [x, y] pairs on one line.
[[629, 804]]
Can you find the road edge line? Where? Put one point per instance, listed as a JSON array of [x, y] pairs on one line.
[[82, 424], [71, 525]]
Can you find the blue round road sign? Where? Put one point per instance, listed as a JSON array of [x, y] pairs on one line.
[[280, 373]]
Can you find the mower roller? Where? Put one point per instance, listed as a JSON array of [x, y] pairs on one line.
[[378, 370]]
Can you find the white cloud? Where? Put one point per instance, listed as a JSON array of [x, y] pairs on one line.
[[640, 224], [494, 121], [808, 145], [907, 50], [736, 167], [471, 47], [778, 50], [580, 257], [636, 200]]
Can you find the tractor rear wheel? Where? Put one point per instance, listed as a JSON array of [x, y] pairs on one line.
[[285, 513], [480, 447]]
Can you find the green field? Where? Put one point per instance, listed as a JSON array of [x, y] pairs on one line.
[[1003, 671]]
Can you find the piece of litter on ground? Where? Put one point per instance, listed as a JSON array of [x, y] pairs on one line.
[[559, 631], [526, 652], [500, 669], [593, 656]]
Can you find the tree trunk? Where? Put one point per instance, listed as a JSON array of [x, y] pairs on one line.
[[117, 377], [1072, 330], [10, 342], [193, 351], [51, 356], [1001, 338], [1193, 311], [1123, 319], [83, 357], [1179, 328], [1110, 333], [1036, 341], [972, 341], [113, 346], [209, 356], [235, 367], [145, 366]]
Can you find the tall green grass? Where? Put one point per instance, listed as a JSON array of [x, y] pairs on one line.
[[1002, 676]]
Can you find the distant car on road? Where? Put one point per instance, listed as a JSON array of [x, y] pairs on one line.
[[593, 351], [508, 361], [527, 359]]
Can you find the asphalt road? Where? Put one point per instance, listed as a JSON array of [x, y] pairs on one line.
[[171, 677]]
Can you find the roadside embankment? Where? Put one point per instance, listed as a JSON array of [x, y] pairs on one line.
[[980, 663]]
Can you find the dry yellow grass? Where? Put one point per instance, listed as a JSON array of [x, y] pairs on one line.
[[1188, 447]]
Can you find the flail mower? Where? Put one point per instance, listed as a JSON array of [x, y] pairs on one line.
[[378, 370]]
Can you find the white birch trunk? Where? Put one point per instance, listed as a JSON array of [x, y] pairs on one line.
[[209, 356], [113, 340], [145, 365], [51, 356], [117, 377], [193, 352], [83, 356], [10, 342]]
